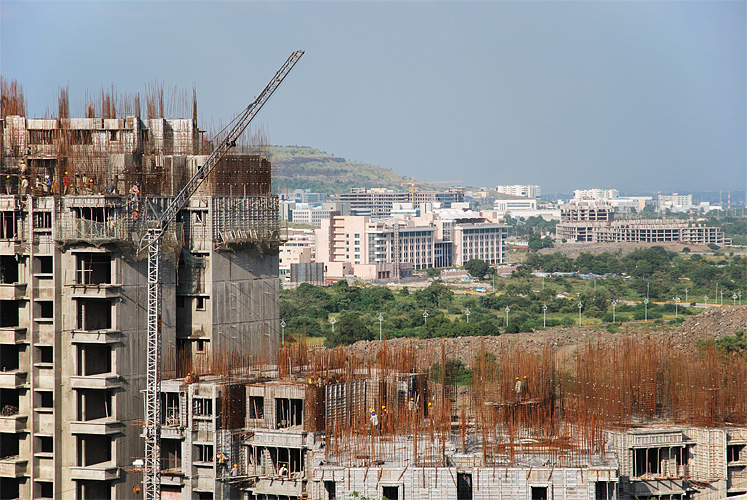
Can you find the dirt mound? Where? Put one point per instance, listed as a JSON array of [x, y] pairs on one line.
[[715, 322]]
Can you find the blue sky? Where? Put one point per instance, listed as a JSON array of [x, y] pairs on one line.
[[638, 96]]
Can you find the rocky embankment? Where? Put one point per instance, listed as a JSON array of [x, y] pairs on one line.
[[713, 323]]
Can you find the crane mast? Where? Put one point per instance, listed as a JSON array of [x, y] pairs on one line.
[[152, 240]]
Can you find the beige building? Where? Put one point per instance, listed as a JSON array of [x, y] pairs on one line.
[[299, 247], [383, 249]]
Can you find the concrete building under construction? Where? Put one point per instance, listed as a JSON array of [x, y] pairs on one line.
[[594, 222], [76, 196], [643, 422]]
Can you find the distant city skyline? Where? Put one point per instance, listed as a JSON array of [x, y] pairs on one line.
[[639, 96]]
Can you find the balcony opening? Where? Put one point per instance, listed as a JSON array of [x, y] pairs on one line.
[[204, 495], [464, 486], [45, 354], [170, 416], [9, 445], [94, 359], [8, 269], [94, 314], [93, 268], [648, 460], [45, 489], [7, 225], [288, 412], [605, 490], [9, 402], [45, 444], [10, 487], [539, 493], [203, 453], [171, 454], [94, 450], [91, 213], [9, 354], [94, 404], [9, 313], [43, 265], [256, 407], [94, 490]]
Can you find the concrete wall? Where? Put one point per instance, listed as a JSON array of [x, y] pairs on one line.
[[426, 483]]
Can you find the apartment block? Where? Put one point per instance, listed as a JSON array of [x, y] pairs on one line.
[[78, 197], [523, 190]]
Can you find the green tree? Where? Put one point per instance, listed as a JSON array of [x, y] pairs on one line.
[[477, 268], [348, 330]]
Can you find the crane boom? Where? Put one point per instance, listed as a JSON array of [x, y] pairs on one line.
[[229, 141], [152, 240]]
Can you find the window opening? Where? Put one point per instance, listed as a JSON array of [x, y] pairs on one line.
[[464, 486], [256, 407], [539, 492], [204, 452], [203, 407], [390, 492], [93, 269]]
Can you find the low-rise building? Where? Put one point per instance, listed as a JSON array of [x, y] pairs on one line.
[[676, 203], [523, 190]]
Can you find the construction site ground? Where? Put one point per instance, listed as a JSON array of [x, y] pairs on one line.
[[713, 323], [573, 250]]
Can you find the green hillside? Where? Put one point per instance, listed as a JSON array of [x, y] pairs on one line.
[[299, 167]]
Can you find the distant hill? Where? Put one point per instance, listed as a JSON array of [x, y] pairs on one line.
[[299, 167]]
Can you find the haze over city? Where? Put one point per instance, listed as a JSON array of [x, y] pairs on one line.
[[633, 95]]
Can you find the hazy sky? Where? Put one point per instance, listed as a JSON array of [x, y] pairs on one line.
[[628, 95]]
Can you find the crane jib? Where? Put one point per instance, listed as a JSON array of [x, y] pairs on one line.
[[151, 240], [180, 200]]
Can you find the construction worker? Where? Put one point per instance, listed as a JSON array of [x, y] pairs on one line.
[[235, 470], [283, 470], [374, 418], [135, 192], [65, 183], [24, 186], [525, 387], [8, 185], [517, 390]]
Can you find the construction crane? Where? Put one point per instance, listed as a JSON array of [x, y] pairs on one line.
[[152, 241], [412, 184]]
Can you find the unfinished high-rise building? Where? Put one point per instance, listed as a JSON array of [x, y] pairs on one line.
[[76, 194]]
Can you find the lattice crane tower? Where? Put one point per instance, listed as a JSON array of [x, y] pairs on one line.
[[152, 241]]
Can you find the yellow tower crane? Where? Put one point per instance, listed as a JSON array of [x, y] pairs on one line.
[[412, 185]]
